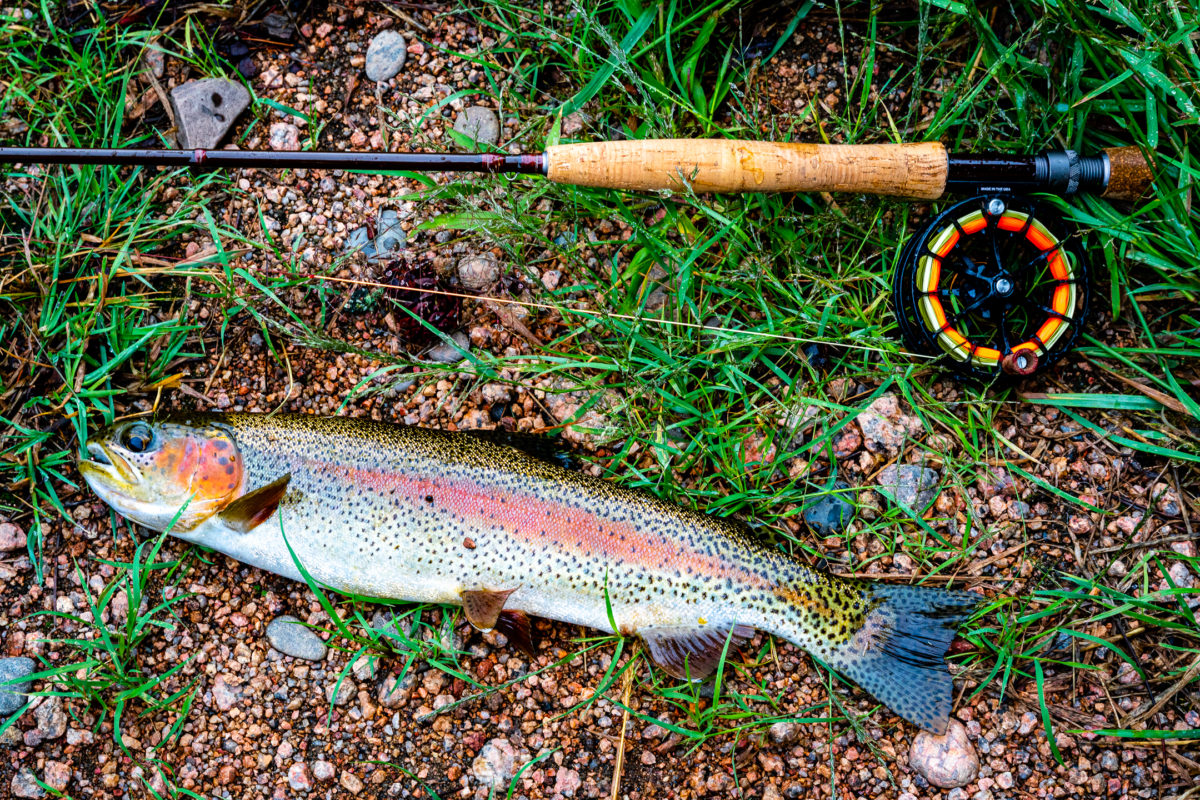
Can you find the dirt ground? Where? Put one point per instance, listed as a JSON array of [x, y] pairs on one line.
[[262, 725]]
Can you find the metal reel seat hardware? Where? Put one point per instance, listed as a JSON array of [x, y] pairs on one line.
[[990, 289]]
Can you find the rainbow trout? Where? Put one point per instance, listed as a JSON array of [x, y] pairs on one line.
[[431, 516]]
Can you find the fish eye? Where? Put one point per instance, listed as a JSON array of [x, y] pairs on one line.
[[138, 438]]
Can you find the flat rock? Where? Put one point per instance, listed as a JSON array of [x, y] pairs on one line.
[[479, 123], [911, 485], [948, 761], [389, 239], [289, 636], [830, 514], [386, 55], [12, 695], [205, 110]]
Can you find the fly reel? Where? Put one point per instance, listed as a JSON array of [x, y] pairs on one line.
[[992, 287]]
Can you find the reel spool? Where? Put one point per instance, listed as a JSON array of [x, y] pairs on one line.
[[991, 289]]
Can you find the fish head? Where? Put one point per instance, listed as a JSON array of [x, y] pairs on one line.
[[164, 474]]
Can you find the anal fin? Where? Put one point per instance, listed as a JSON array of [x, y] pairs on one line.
[[252, 509], [483, 606], [691, 652]]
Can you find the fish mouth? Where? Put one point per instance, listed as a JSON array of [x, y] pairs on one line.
[[112, 465]]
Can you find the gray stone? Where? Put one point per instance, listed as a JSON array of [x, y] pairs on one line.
[[12, 695], [205, 110], [289, 636], [912, 486], [478, 123], [830, 515], [948, 761], [445, 354], [386, 55]]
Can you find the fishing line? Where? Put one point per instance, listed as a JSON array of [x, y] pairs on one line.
[[599, 315]]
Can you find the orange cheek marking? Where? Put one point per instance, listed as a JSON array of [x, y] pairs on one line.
[[542, 524]]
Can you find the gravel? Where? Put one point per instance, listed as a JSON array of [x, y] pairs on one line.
[[386, 55], [480, 124], [12, 695], [300, 778], [947, 761], [290, 637], [205, 110]]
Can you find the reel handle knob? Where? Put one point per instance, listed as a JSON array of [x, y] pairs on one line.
[[1020, 363]]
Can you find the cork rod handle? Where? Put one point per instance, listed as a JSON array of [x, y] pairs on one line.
[[1130, 174], [724, 165]]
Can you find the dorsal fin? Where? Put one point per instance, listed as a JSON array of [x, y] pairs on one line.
[[544, 448], [691, 652], [252, 509]]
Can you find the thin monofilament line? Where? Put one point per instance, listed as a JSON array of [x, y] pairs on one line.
[[602, 315]]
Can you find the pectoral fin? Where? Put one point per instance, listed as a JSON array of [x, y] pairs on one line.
[[252, 509], [483, 606], [515, 627], [691, 652]]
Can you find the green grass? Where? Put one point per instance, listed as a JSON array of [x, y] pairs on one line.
[[761, 285]]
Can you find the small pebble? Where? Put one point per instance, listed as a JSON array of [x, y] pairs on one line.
[[11, 537], [480, 124], [445, 354], [323, 771], [478, 272], [284, 136], [25, 784], [912, 486], [290, 637], [386, 55], [947, 761], [300, 778], [494, 766]]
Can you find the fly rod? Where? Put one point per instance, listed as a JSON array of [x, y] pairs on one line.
[[994, 286], [923, 171]]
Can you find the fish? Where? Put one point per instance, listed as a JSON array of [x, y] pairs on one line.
[[408, 513]]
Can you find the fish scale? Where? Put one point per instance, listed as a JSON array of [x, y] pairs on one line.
[[407, 513]]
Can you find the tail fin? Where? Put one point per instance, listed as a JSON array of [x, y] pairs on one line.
[[898, 655]]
